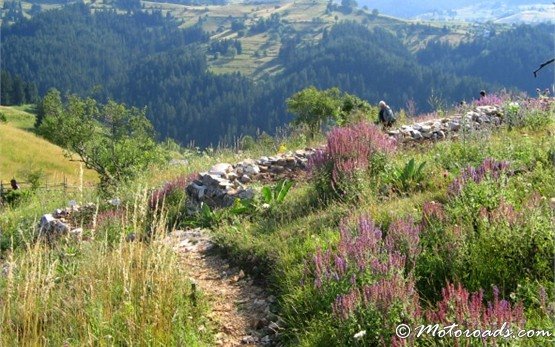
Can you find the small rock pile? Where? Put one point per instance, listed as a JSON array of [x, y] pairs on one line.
[[440, 129], [223, 183], [63, 221]]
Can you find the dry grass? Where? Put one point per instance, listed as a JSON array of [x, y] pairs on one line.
[[100, 291], [22, 151]]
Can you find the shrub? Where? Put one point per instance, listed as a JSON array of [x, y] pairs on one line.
[[489, 169], [521, 242], [16, 197], [491, 99], [409, 177], [338, 170], [469, 312], [170, 200], [363, 280]]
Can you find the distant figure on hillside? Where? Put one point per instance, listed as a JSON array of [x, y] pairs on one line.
[[386, 116], [14, 184], [482, 94]]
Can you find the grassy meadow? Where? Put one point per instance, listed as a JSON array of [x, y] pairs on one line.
[[463, 234], [23, 152]]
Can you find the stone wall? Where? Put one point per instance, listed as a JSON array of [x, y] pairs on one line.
[[223, 183], [65, 221], [438, 129]]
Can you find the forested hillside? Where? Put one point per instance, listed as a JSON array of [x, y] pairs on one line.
[[148, 59], [506, 58]]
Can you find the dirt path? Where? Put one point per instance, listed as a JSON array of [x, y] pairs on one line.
[[240, 310]]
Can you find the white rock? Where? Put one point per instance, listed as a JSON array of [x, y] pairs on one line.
[[425, 128], [220, 169], [416, 134]]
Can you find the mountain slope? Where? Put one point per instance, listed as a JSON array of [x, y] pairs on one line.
[[22, 151]]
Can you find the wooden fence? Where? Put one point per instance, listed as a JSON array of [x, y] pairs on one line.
[[6, 187]]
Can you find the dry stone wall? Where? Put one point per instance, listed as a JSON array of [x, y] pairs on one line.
[[224, 182], [439, 129]]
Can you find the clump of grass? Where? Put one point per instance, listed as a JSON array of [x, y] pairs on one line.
[[105, 290]]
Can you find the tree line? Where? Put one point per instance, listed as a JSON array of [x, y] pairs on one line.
[[145, 59]]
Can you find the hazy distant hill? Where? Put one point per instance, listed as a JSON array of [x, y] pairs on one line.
[[507, 11]]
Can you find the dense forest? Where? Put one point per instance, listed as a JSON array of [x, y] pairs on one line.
[[506, 58], [15, 91], [145, 59]]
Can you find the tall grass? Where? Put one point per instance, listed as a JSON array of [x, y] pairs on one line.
[[102, 290]]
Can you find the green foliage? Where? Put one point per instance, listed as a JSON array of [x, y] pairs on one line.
[[16, 197], [409, 177], [34, 177], [50, 105], [3, 118], [275, 195], [15, 91], [115, 141], [314, 107]]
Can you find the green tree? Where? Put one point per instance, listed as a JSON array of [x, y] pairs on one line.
[[115, 141], [18, 91], [50, 105], [314, 107]]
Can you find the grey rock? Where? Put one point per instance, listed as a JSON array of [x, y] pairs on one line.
[[46, 220], [196, 190], [245, 179], [246, 194], [454, 126], [416, 134], [277, 169], [252, 169]]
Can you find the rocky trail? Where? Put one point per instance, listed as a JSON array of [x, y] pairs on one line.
[[240, 309]]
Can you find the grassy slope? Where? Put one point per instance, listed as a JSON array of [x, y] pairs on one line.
[[281, 243], [21, 151]]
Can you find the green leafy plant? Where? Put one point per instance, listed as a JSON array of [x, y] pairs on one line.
[[410, 176], [276, 194], [207, 217]]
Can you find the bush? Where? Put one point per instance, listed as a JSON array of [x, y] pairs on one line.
[[16, 197], [170, 201], [350, 155], [362, 281]]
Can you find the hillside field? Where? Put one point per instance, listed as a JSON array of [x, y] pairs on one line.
[[21, 151]]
